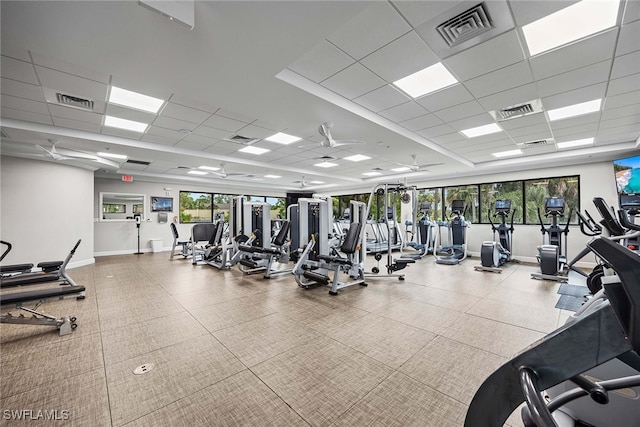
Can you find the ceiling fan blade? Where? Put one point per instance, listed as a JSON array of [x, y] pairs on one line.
[[341, 142]]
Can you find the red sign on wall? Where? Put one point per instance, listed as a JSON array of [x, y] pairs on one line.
[[127, 178]]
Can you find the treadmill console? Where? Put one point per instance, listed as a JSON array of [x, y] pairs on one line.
[[554, 205], [503, 206], [630, 203], [457, 207]]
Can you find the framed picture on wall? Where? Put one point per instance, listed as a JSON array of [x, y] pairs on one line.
[[161, 204]]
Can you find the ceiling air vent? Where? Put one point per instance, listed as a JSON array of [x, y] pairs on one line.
[[515, 111], [326, 158], [138, 162], [3, 134], [244, 140], [74, 101], [466, 25], [536, 143]]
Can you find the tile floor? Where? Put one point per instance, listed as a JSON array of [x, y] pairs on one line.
[[240, 350]]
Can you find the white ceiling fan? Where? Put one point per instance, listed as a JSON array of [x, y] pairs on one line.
[[66, 154], [328, 141], [223, 174], [415, 167], [52, 152], [302, 181]]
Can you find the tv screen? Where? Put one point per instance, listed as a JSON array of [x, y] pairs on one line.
[[627, 175]]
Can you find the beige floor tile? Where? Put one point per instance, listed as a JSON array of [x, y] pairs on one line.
[[401, 401], [545, 298], [469, 282], [421, 315], [25, 370], [214, 294], [129, 341], [138, 310], [179, 371], [445, 298], [230, 313], [538, 319], [241, 400], [81, 399], [382, 339], [452, 368], [258, 340], [320, 380], [494, 337]]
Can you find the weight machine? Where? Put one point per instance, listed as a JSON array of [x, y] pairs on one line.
[[315, 265], [497, 252]]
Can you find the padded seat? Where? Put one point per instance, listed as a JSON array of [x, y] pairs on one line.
[[15, 268], [47, 266], [20, 297]]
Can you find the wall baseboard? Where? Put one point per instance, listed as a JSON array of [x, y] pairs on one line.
[[81, 263], [128, 252], [534, 260]]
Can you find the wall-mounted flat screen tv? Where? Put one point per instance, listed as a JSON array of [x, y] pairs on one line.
[[627, 172], [162, 204]]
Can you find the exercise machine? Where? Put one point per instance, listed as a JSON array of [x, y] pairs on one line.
[[51, 271], [455, 251], [389, 194], [185, 245], [606, 330], [422, 236], [201, 236], [218, 252], [497, 252], [315, 266], [552, 256]]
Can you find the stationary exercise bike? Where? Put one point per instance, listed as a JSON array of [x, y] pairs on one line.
[[551, 256], [496, 253]]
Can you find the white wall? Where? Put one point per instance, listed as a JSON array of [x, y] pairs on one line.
[[45, 208]]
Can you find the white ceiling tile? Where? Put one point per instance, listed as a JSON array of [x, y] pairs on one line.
[[158, 139], [572, 97], [546, 134], [321, 62], [470, 122], [129, 114], [405, 111], [632, 12], [235, 116], [527, 130], [500, 80], [434, 131], [224, 123], [26, 116], [615, 138], [457, 112], [18, 70], [65, 67], [400, 58], [626, 65], [623, 100], [190, 145], [75, 114], [381, 99], [74, 124], [72, 85], [371, 29], [519, 122], [624, 84], [167, 133], [576, 132], [121, 132], [224, 147], [491, 55], [575, 79], [211, 132], [15, 52], [177, 111], [418, 12], [21, 90], [614, 113], [23, 104], [622, 121], [526, 11], [445, 98], [203, 140], [574, 122], [198, 105], [540, 149], [252, 131], [353, 81], [628, 40], [421, 122], [510, 97], [576, 55]]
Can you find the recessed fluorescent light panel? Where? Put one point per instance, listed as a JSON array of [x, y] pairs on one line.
[[316, 182], [119, 123], [113, 156], [373, 173], [575, 110], [401, 169], [209, 168], [197, 172], [135, 100], [575, 143], [425, 81], [325, 165], [283, 138], [569, 24], [272, 176], [481, 130], [357, 158], [507, 153], [253, 150]]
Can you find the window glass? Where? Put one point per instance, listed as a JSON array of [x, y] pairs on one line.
[[433, 195], [468, 193], [196, 207], [113, 208], [489, 193], [221, 204], [278, 207], [537, 190]]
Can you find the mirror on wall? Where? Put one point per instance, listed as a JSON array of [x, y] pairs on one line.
[[122, 206]]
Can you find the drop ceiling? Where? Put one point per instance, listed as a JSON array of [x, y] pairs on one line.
[[257, 68]]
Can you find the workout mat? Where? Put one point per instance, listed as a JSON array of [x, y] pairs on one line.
[[570, 303], [573, 290]]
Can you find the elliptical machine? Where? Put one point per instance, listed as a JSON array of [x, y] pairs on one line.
[[551, 256], [496, 253], [456, 250]]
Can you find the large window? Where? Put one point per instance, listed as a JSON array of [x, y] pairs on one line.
[[468, 193], [278, 207], [489, 193], [196, 207], [536, 190], [433, 195], [113, 208]]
